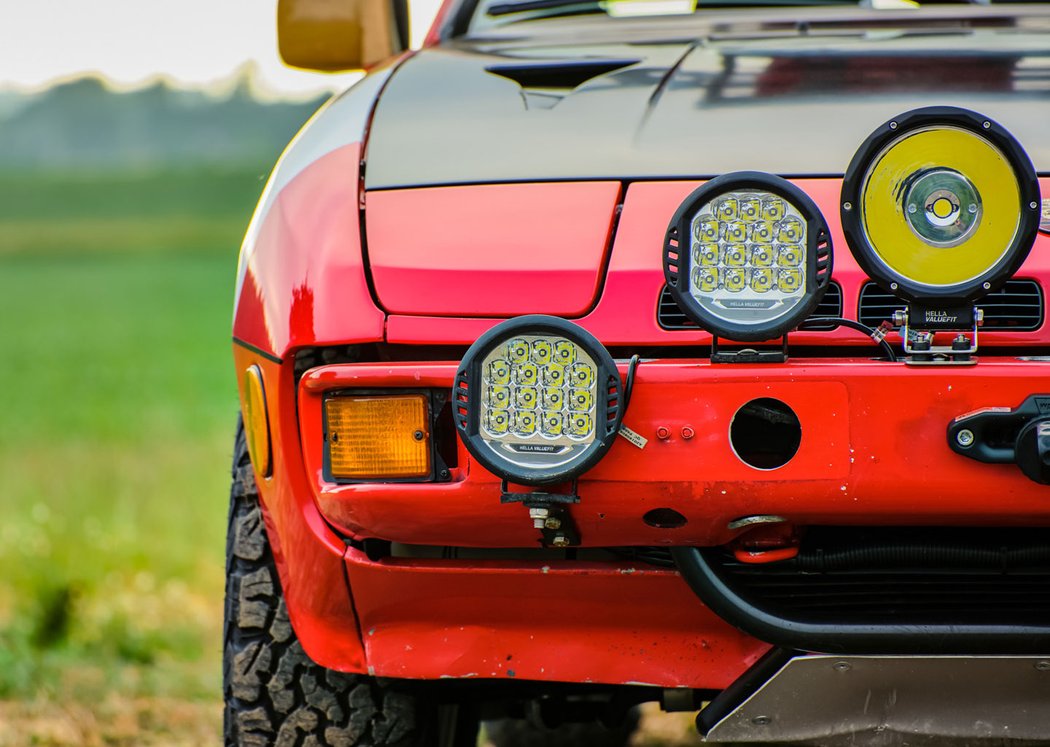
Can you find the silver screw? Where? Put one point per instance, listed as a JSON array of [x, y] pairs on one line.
[[972, 208], [847, 206], [1043, 666], [964, 438], [1033, 204], [893, 286], [986, 125], [893, 125], [986, 286], [539, 513], [841, 666], [761, 720], [912, 208], [560, 541]]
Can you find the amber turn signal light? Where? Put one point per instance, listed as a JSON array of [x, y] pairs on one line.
[[256, 424], [374, 437]]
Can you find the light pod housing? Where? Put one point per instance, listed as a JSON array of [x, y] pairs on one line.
[[747, 256], [537, 400], [940, 205]]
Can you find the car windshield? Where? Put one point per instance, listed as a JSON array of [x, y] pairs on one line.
[[490, 13]]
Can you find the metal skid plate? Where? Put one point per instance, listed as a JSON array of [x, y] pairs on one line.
[[909, 700]]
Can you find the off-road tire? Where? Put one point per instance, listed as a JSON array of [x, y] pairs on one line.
[[275, 695]]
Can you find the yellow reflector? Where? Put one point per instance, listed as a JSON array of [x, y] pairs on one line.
[[256, 425], [373, 437], [998, 216]]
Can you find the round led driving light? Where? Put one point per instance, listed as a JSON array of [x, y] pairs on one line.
[[940, 204], [537, 400], [747, 256]]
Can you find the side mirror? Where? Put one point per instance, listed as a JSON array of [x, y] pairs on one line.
[[340, 35]]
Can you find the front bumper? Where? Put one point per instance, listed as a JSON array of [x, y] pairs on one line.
[[874, 451]]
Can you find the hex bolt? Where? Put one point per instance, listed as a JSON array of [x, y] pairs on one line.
[[687, 432], [762, 720], [841, 666], [964, 438], [552, 523], [1043, 666], [560, 541], [539, 513], [538, 523], [663, 432]]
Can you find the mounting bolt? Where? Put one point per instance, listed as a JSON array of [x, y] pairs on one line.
[[560, 541], [1043, 666], [964, 438], [900, 318], [539, 513], [841, 666], [687, 432], [418, 435], [893, 125], [663, 432], [847, 206], [552, 523]]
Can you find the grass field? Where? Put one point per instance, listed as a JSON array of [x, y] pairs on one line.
[[118, 411], [118, 407]]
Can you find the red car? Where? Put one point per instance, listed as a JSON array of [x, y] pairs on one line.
[[604, 352]]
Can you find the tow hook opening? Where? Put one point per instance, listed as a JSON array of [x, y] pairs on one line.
[[765, 433]]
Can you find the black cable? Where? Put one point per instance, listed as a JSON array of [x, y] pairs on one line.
[[628, 385], [835, 321]]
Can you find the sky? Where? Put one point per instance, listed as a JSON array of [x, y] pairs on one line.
[[193, 42]]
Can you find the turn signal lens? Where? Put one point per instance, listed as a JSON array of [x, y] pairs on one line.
[[377, 437], [256, 425]]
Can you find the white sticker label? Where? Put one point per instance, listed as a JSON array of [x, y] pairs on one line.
[[635, 438]]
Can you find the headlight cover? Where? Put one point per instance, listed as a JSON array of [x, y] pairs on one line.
[[940, 204], [537, 400], [747, 256]]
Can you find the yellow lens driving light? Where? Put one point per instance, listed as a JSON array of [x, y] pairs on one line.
[[256, 422], [537, 400], [747, 256], [377, 437], [940, 204]]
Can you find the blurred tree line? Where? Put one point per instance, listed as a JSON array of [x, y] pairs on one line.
[[86, 124]]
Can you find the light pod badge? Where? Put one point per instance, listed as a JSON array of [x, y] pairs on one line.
[[747, 256], [940, 205], [537, 400]]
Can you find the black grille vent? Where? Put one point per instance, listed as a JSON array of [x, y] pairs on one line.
[[1016, 307], [903, 576], [670, 316]]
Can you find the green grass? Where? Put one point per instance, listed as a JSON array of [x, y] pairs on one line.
[[118, 403]]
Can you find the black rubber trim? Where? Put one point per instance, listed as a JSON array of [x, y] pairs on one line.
[[743, 688], [258, 351], [850, 638]]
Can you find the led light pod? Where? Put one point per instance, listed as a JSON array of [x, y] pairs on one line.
[[537, 400], [941, 205], [747, 256]]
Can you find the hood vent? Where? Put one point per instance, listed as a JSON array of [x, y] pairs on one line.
[[1016, 307], [544, 84]]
